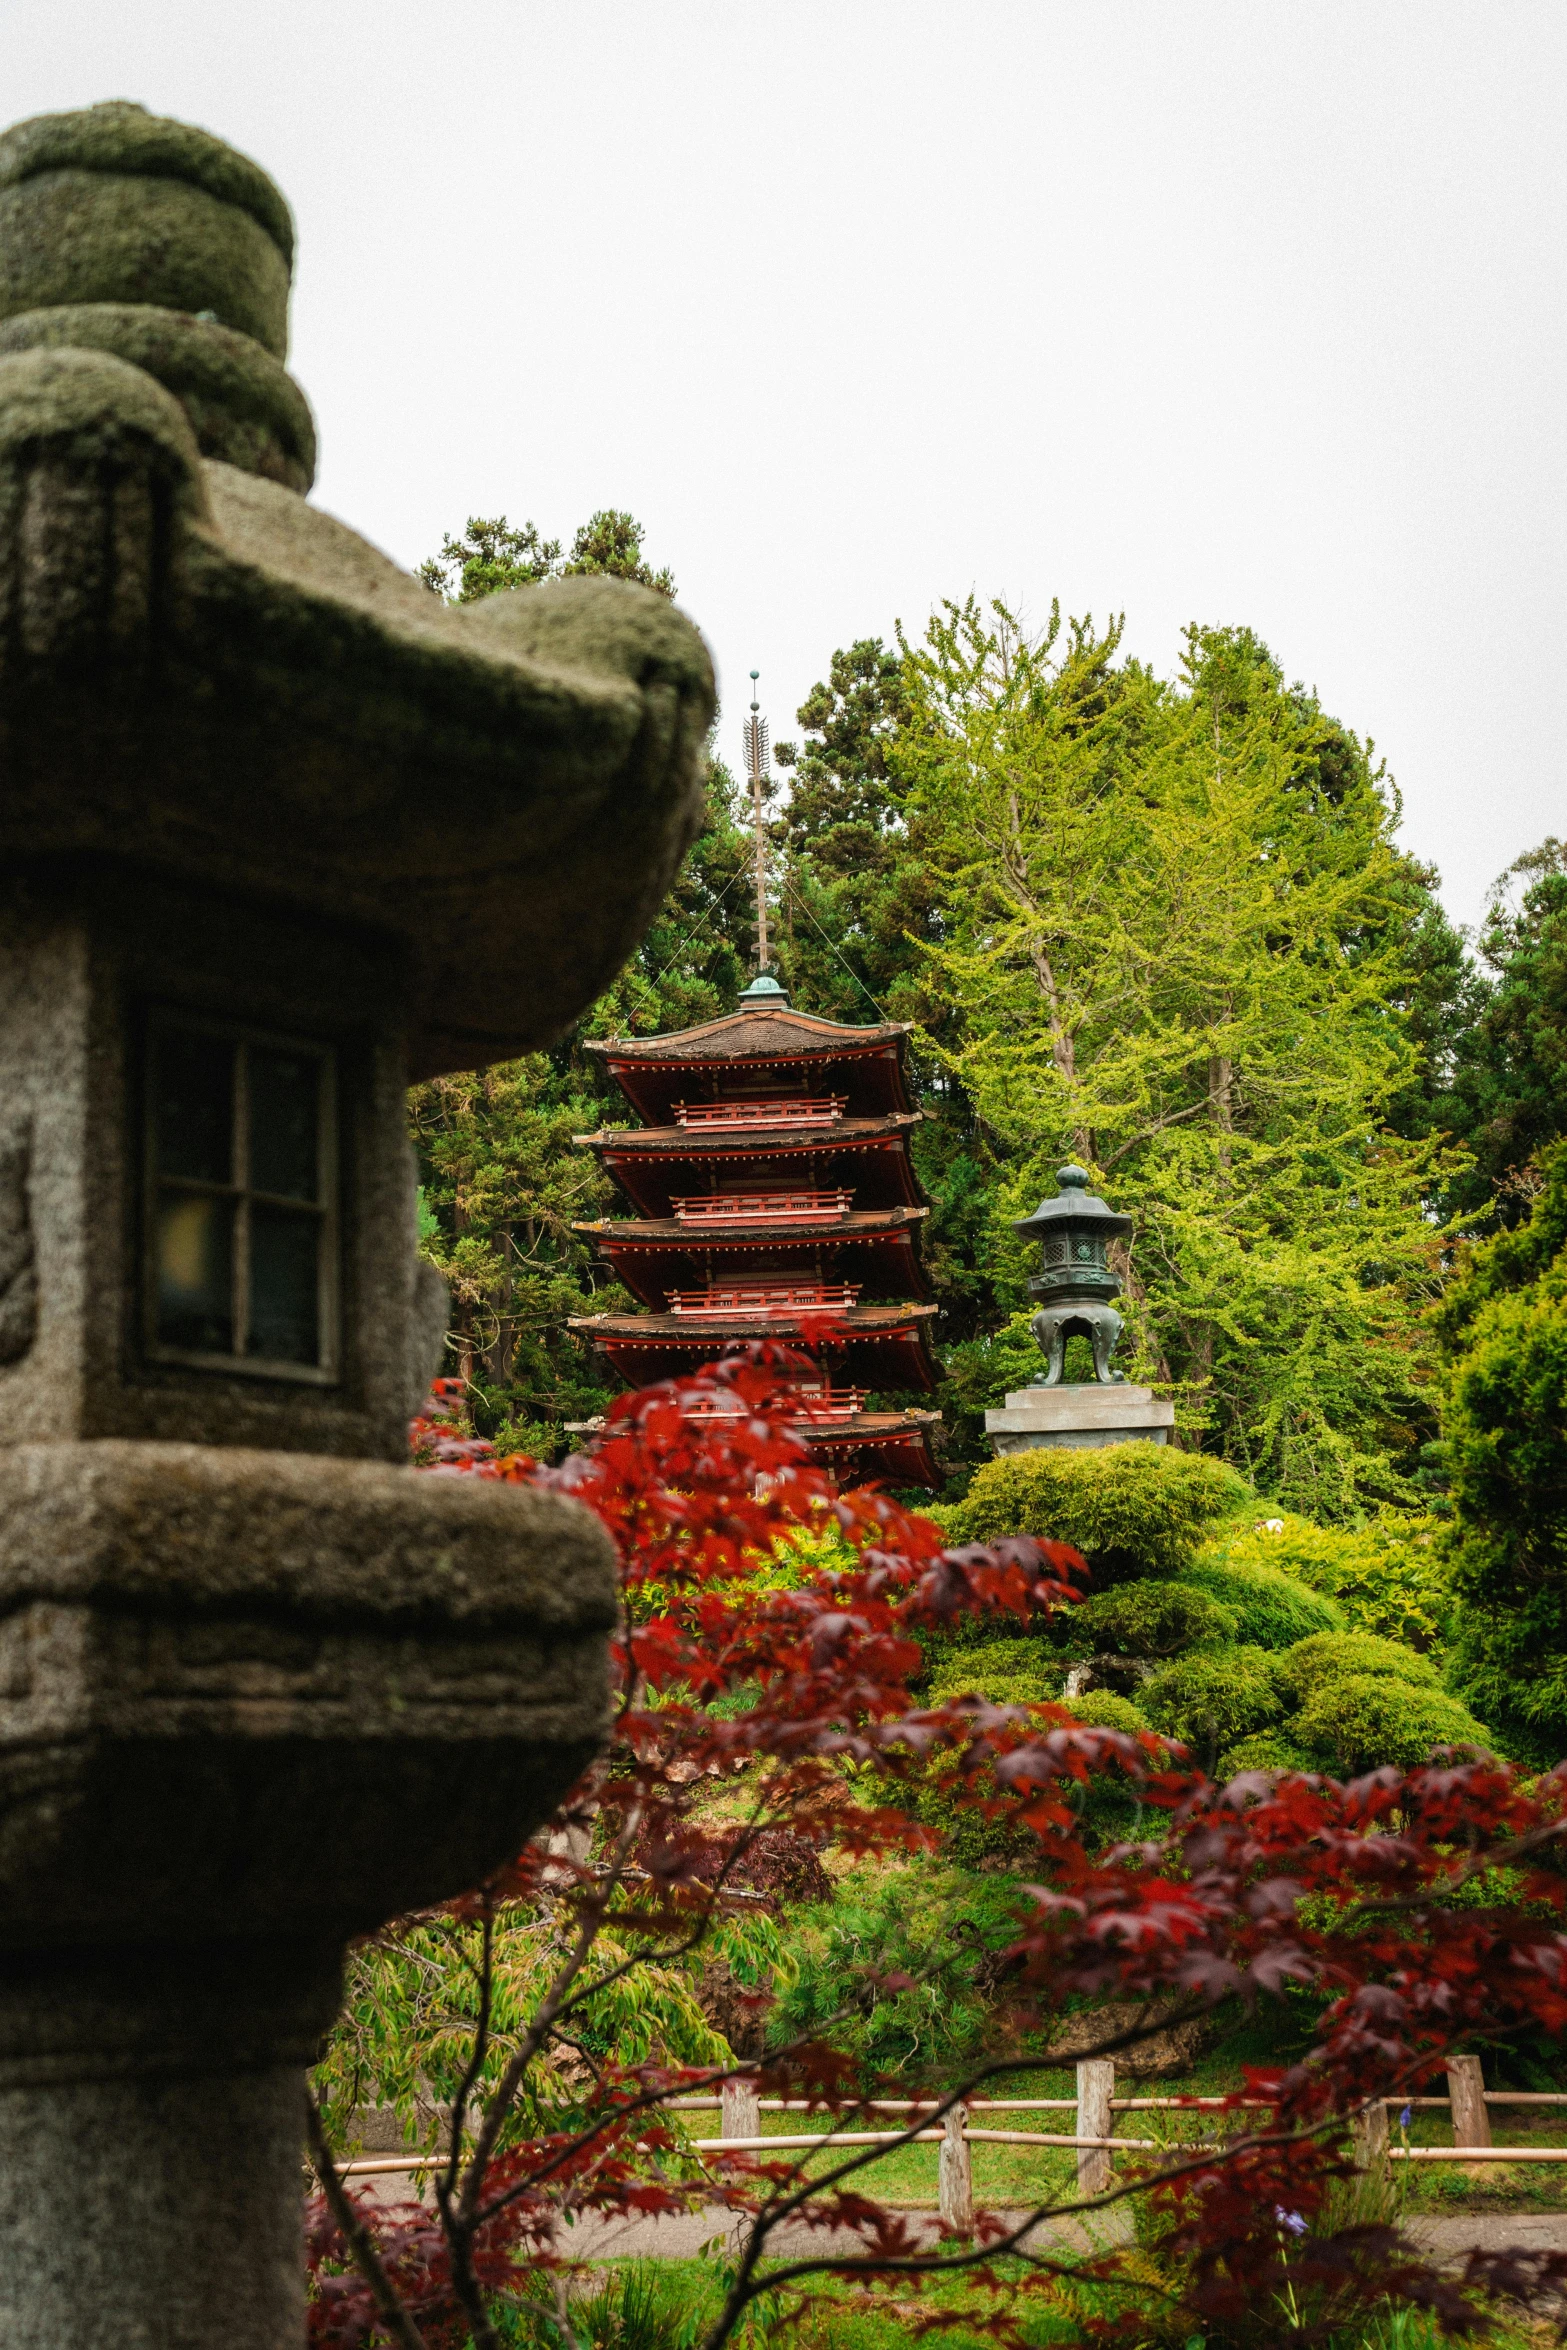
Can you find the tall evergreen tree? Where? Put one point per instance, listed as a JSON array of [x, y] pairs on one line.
[[1176, 939]]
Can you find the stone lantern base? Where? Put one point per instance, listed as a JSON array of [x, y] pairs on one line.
[[1087, 1414]]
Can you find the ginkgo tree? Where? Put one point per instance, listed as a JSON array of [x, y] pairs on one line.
[[1175, 939]]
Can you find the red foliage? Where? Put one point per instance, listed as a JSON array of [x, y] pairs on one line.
[[1348, 1889]]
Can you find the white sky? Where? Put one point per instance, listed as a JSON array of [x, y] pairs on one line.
[[1232, 310]]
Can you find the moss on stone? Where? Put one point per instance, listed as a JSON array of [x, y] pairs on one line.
[[123, 138], [244, 407]]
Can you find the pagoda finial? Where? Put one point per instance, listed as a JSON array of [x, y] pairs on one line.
[[756, 751]]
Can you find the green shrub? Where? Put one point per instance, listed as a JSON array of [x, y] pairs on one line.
[[899, 1920], [1267, 1750], [1214, 1698], [1009, 1672], [1504, 1328], [1333, 1656], [1131, 1509], [1101, 1709], [1364, 1720], [1155, 1618], [1270, 1608], [1388, 1576]]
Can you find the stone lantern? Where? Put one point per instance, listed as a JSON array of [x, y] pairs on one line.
[[283, 831], [1075, 1287]]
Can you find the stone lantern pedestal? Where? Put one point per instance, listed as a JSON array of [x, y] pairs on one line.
[[1080, 1414], [282, 831]]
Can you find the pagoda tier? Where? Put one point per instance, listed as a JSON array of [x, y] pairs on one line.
[[773, 1197], [875, 1252], [764, 1048], [697, 1172], [872, 1346]]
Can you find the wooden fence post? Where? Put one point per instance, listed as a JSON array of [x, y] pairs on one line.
[[1095, 2088], [1370, 2136], [955, 2172], [740, 2115], [1466, 2088]]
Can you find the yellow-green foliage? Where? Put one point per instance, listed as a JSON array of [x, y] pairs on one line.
[[1334, 1656], [1008, 1672], [1155, 1618], [1213, 1697], [1270, 1609], [1129, 1508], [1267, 1750], [1101, 1709], [404, 2037], [1366, 1719], [1386, 1576]]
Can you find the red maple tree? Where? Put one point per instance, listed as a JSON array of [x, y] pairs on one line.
[[1382, 1895]]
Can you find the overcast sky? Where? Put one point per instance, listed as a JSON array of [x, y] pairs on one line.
[[1225, 310]]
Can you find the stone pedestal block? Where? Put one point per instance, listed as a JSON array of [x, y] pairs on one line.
[[1080, 1415]]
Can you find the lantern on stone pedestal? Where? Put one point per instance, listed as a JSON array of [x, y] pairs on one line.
[[1075, 1285], [283, 832]]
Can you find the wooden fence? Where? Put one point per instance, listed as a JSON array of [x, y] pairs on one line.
[[740, 2111]]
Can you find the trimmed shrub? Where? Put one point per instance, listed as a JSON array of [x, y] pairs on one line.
[[1131, 1509], [1271, 1610], [1212, 1699], [1101, 1709], [1365, 1720], [1388, 1576], [1009, 1672], [1266, 1750], [1155, 1618], [1334, 1656]]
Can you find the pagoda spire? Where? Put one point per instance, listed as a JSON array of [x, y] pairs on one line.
[[756, 753]]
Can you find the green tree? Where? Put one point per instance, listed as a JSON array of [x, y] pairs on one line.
[[1506, 1092], [492, 555], [1504, 1328], [504, 1184], [1176, 944]]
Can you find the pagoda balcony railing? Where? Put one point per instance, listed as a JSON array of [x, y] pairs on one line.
[[768, 1297], [763, 1207], [806, 1110], [815, 1405]]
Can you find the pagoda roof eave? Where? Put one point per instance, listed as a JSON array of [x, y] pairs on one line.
[[846, 1324], [752, 1035], [667, 1232], [733, 1142]]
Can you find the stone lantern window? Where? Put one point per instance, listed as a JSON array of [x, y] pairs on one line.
[[241, 1186]]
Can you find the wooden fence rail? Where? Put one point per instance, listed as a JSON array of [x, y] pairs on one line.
[[740, 2132]]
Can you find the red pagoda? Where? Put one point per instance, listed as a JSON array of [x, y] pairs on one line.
[[771, 1178]]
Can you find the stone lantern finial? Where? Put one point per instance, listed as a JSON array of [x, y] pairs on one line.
[[283, 831]]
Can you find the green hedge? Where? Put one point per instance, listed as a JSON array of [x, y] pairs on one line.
[[1131, 1509], [1389, 1576]]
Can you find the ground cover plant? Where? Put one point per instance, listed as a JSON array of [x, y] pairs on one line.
[[1419, 1909]]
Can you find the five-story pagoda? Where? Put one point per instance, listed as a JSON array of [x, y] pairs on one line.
[[770, 1180]]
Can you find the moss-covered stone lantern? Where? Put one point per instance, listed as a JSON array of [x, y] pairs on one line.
[[1076, 1284], [282, 832]]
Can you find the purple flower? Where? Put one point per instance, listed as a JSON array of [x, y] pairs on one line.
[[1289, 2219], [1403, 2119]]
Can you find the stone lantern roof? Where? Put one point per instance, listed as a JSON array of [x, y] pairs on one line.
[[1073, 1205], [206, 679]]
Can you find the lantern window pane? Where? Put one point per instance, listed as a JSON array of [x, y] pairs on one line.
[[241, 1221]]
